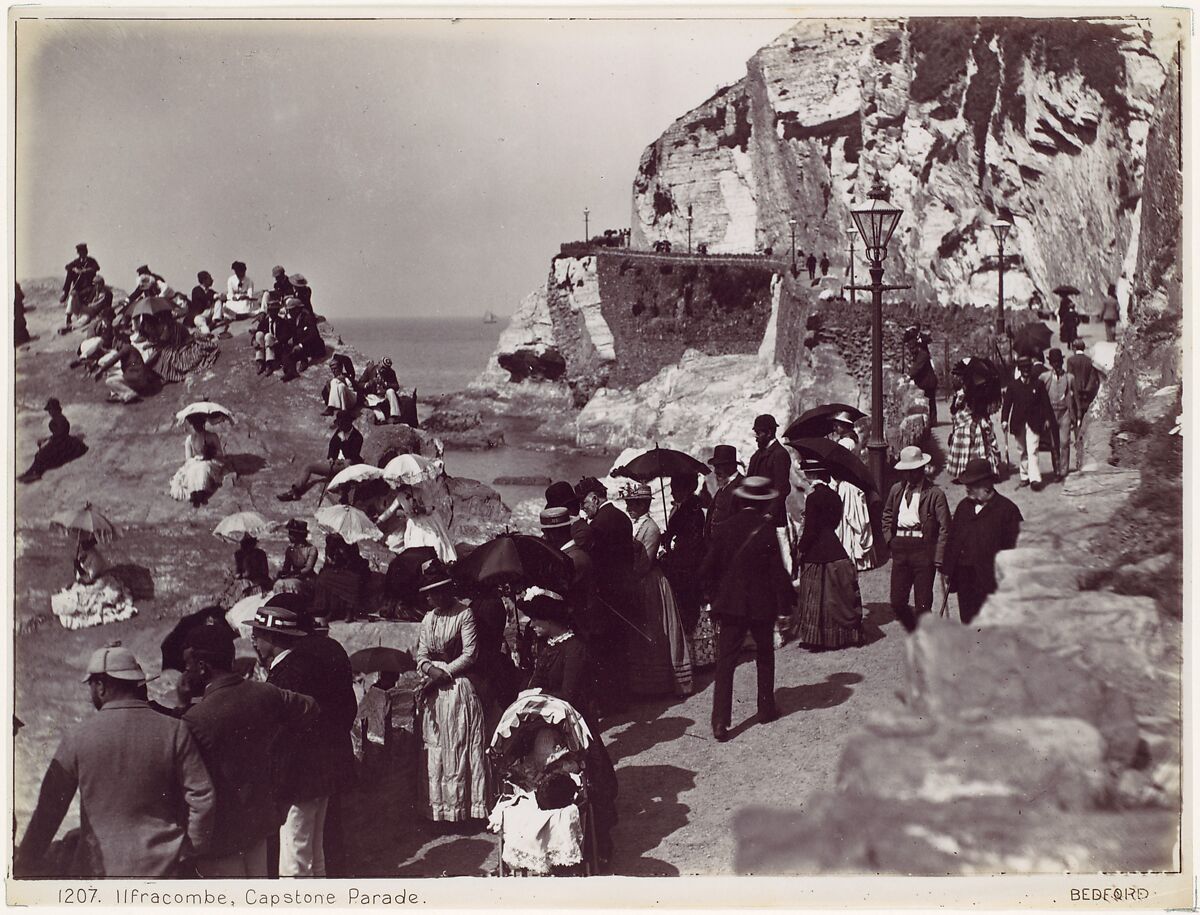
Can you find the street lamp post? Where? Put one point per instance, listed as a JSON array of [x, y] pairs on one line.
[[689, 222], [792, 226], [875, 223], [852, 234], [1000, 229], [586, 237]]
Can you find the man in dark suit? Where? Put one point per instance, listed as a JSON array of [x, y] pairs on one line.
[[749, 586], [772, 461], [720, 505], [345, 448], [1026, 411], [77, 287], [311, 762], [684, 542], [984, 523], [272, 336], [612, 549], [580, 594], [237, 723]]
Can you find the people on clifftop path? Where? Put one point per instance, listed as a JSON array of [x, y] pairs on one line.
[[1064, 402], [921, 370], [916, 526], [77, 286], [811, 264], [1026, 412]]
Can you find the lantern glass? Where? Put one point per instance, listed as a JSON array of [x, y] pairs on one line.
[[876, 222], [1000, 229]]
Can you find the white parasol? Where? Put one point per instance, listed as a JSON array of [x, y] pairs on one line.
[[409, 469], [232, 527], [213, 411], [355, 473], [350, 523]]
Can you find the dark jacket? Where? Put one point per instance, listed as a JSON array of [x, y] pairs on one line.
[[743, 570], [586, 618], [81, 274], [349, 448], [565, 670], [314, 761], [932, 509], [280, 327], [774, 463], [145, 796], [922, 373], [722, 506], [819, 541], [252, 565], [975, 539], [614, 551], [1087, 379], [237, 724], [1026, 403]]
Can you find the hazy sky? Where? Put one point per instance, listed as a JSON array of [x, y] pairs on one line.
[[405, 167]]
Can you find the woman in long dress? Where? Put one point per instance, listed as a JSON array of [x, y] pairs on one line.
[[663, 664], [423, 526], [94, 598], [453, 784], [179, 353], [829, 607], [972, 435], [202, 470]]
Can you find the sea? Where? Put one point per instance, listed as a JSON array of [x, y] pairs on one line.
[[441, 355]]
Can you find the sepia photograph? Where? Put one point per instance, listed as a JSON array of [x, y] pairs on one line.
[[650, 444]]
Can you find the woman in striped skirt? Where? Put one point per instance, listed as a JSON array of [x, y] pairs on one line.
[[972, 435], [179, 353]]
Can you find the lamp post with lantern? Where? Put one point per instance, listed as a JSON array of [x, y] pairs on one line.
[[876, 221], [689, 222], [1000, 228], [792, 226]]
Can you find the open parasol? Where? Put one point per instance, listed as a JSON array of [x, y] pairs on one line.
[[86, 520], [380, 658], [351, 523], [213, 412], [520, 559], [155, 305], [232, 527], [839, 461], [409, 469], [819, 420], [355, 473], [1066, 290], [659, 462]]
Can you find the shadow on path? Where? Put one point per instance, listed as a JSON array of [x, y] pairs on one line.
[[650, 810], [835, 690]]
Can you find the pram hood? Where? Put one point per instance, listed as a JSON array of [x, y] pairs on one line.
[[535, 706]]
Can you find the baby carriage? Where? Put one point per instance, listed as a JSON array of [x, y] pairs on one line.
[[544, 817]]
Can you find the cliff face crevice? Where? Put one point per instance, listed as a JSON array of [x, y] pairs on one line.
[[967, 120]]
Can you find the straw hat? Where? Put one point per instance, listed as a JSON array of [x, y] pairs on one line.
[[912, 458]]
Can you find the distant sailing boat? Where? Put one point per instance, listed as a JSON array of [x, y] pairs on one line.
[[489, 317]]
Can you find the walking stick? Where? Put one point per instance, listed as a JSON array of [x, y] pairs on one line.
[[626, 621]]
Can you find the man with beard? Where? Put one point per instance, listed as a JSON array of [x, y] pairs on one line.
[[611, 547], [237, 724]]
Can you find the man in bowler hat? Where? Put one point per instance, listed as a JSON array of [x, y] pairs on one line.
[[984, 523], [745, 576]]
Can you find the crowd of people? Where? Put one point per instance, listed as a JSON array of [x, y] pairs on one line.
[[243, 777]]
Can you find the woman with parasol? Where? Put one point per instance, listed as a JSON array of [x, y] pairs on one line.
[[202, 470], [976, 396], [94, 598], [829, 607], [663, 663], [453, 781]]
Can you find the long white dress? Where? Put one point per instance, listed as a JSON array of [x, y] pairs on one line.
[[423, 527], [198, 473], [94, 599], [453, 783]]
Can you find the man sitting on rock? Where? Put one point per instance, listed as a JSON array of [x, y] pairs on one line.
[[272, 335], [345, 448], [77, 287]]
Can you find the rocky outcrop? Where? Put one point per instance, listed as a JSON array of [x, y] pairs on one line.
[[581, 333], [526, 349], [698, 402], [967, 120]]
